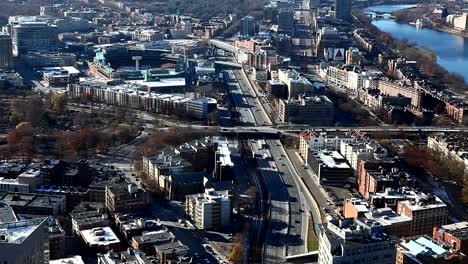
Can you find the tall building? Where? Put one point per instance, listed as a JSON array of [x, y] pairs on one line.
[[24, 242], [208, 210], [343, 9], [286, 21], [249, 26], [6, 60], [352, 241], [34, 36]]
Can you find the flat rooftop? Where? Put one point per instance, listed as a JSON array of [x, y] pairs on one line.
[[99, 236]]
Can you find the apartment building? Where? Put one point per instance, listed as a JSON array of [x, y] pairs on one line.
[[353, 241], [209, 210]]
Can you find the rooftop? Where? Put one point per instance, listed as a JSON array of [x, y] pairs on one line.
[[17, 232], [332, 159], [101, 236]]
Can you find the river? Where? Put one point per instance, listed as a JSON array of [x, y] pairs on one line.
[[451, 50]]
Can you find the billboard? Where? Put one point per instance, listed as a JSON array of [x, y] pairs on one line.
[[338, 54]]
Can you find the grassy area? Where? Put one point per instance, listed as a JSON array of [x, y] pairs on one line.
[[312, 239]]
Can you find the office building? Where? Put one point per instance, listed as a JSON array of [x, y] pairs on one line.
[[330, 167], [314, 111], [201, 107], [351, 241], [24, 242], [343, 9], [248, 26], [34, 36], [209, 210], [6, 55], [286, 21]]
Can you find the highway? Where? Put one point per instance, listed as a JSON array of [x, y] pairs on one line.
[[286, 232]]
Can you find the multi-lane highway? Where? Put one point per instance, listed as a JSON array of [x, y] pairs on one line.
[[286, 232]]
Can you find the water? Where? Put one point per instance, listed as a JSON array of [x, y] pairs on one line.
[[451, 50]]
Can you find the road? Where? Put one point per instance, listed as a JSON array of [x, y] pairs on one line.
[[286, 232]]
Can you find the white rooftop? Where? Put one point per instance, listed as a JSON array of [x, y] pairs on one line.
[[101, 236], [71, 260]]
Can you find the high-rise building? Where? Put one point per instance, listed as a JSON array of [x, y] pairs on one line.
[[6, 55], [249, 26], [34, 36], [211, 209], [343, 9], [24, 242], [286, 21]]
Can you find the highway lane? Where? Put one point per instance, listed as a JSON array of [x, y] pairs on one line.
[[297, 233], [277, 228]]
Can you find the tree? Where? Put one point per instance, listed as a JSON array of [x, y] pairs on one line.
[[82, 120], [57, 102], [28, 109]]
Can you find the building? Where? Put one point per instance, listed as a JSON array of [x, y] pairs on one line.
[[401, 89], [201, 107], [314, 111], [223, 167], [24, 241], [88, 216], [147, 241], [6, 55], [453, 235], [164, 163], [35, 204], [351, 241], [454, 147], [343, 9], [277, 88], [124, 196], [321, 141], [136, 96], [180, 185], [391, 222], [70, 260], [296, 84], [56, 239], [377, 175], [330, 167], [34, 36], [101, 239], [286, 21], [460, 22], [7, 215], [423, 250], [49, 59], [248, 26], [425, 210], [174, 252], [209, 210]]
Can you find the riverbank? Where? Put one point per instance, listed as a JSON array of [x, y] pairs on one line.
[[410, 15], [426, 58]]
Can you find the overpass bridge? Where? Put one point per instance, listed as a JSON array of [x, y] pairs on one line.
[[271, 131], [223, 45]]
